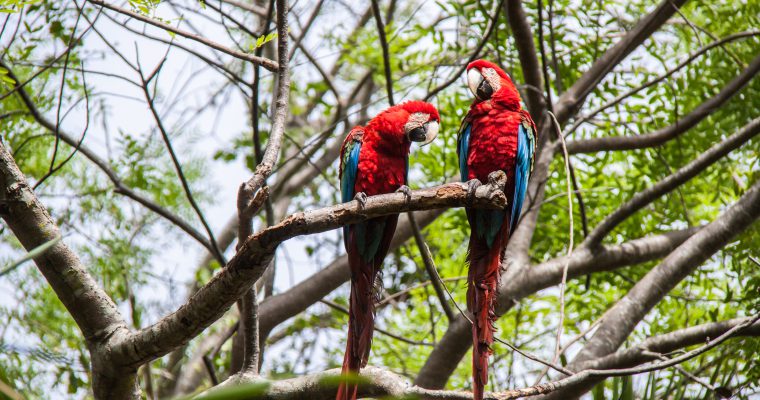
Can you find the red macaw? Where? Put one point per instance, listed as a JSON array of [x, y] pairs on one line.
[[497, 134], [375, 160]]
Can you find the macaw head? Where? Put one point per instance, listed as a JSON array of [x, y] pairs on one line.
[[489, 82], [411, 121]]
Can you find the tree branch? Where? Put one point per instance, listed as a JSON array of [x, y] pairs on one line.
[[567, 104], [620, 320], [377, 382], [690, 170], [212, 300], [663, 135], [670, 72], [92, 309], [514, 287], [264, 62]]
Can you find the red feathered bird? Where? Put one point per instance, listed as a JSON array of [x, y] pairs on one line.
[[375, 160], [497, 134]]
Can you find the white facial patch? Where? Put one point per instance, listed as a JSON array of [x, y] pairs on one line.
[[416, 120], [492, 77]]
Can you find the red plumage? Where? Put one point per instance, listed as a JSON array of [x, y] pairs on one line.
[[381, 168], [493, 145]]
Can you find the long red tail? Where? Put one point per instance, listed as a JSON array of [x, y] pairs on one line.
[[483, 282], [361, 323]]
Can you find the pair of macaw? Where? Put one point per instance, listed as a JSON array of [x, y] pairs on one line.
[[497, 134]]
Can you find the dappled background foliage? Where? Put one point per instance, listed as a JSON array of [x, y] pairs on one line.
[[149, 266]]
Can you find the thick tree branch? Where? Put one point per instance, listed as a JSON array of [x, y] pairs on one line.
[[514, 287], [568, 103], [93, 310], [620, 320], [670, 342], [264, 62], [212, 300], [690, 170], [670, 72], [377, 382], [681, 126]]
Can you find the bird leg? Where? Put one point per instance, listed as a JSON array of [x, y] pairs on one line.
[[406, 191], [472, 187], [361, 197]]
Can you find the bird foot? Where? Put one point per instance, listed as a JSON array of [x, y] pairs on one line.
[[498, 179], [472, 187], [361, 197], [406, 191]]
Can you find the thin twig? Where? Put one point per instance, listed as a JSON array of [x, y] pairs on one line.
[[264, 62], [178, 168], [386, 55], [344, 310], [563, 284], [427, 260]]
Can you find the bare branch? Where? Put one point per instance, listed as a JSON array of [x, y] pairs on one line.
[[212, 300], [92, 309], [384, 46], [663, 135], [103, 165], [690, 170], [492, 22], [575, 95], [264, 62], [620, 320]]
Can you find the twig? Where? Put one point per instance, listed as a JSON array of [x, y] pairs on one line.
[[386, 55], [344, 310], [563, 283], [567, 346], [493, 21], [178, 167], [427, 260], [264, 62], [680, 369]]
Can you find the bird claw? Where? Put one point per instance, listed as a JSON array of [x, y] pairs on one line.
[[472, 187], [361, 197], [497, 178], [406, 191]]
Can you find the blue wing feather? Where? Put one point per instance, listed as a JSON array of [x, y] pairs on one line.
[[463, 150], [350, 168], [525, 147]]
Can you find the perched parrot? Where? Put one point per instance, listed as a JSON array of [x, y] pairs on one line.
[[496, 134], [374, 160]]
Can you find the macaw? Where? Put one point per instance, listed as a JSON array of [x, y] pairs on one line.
[[374, 160], [496, 134]]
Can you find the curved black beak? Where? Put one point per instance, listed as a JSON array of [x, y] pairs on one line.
[[484, 91], [418, 134]]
